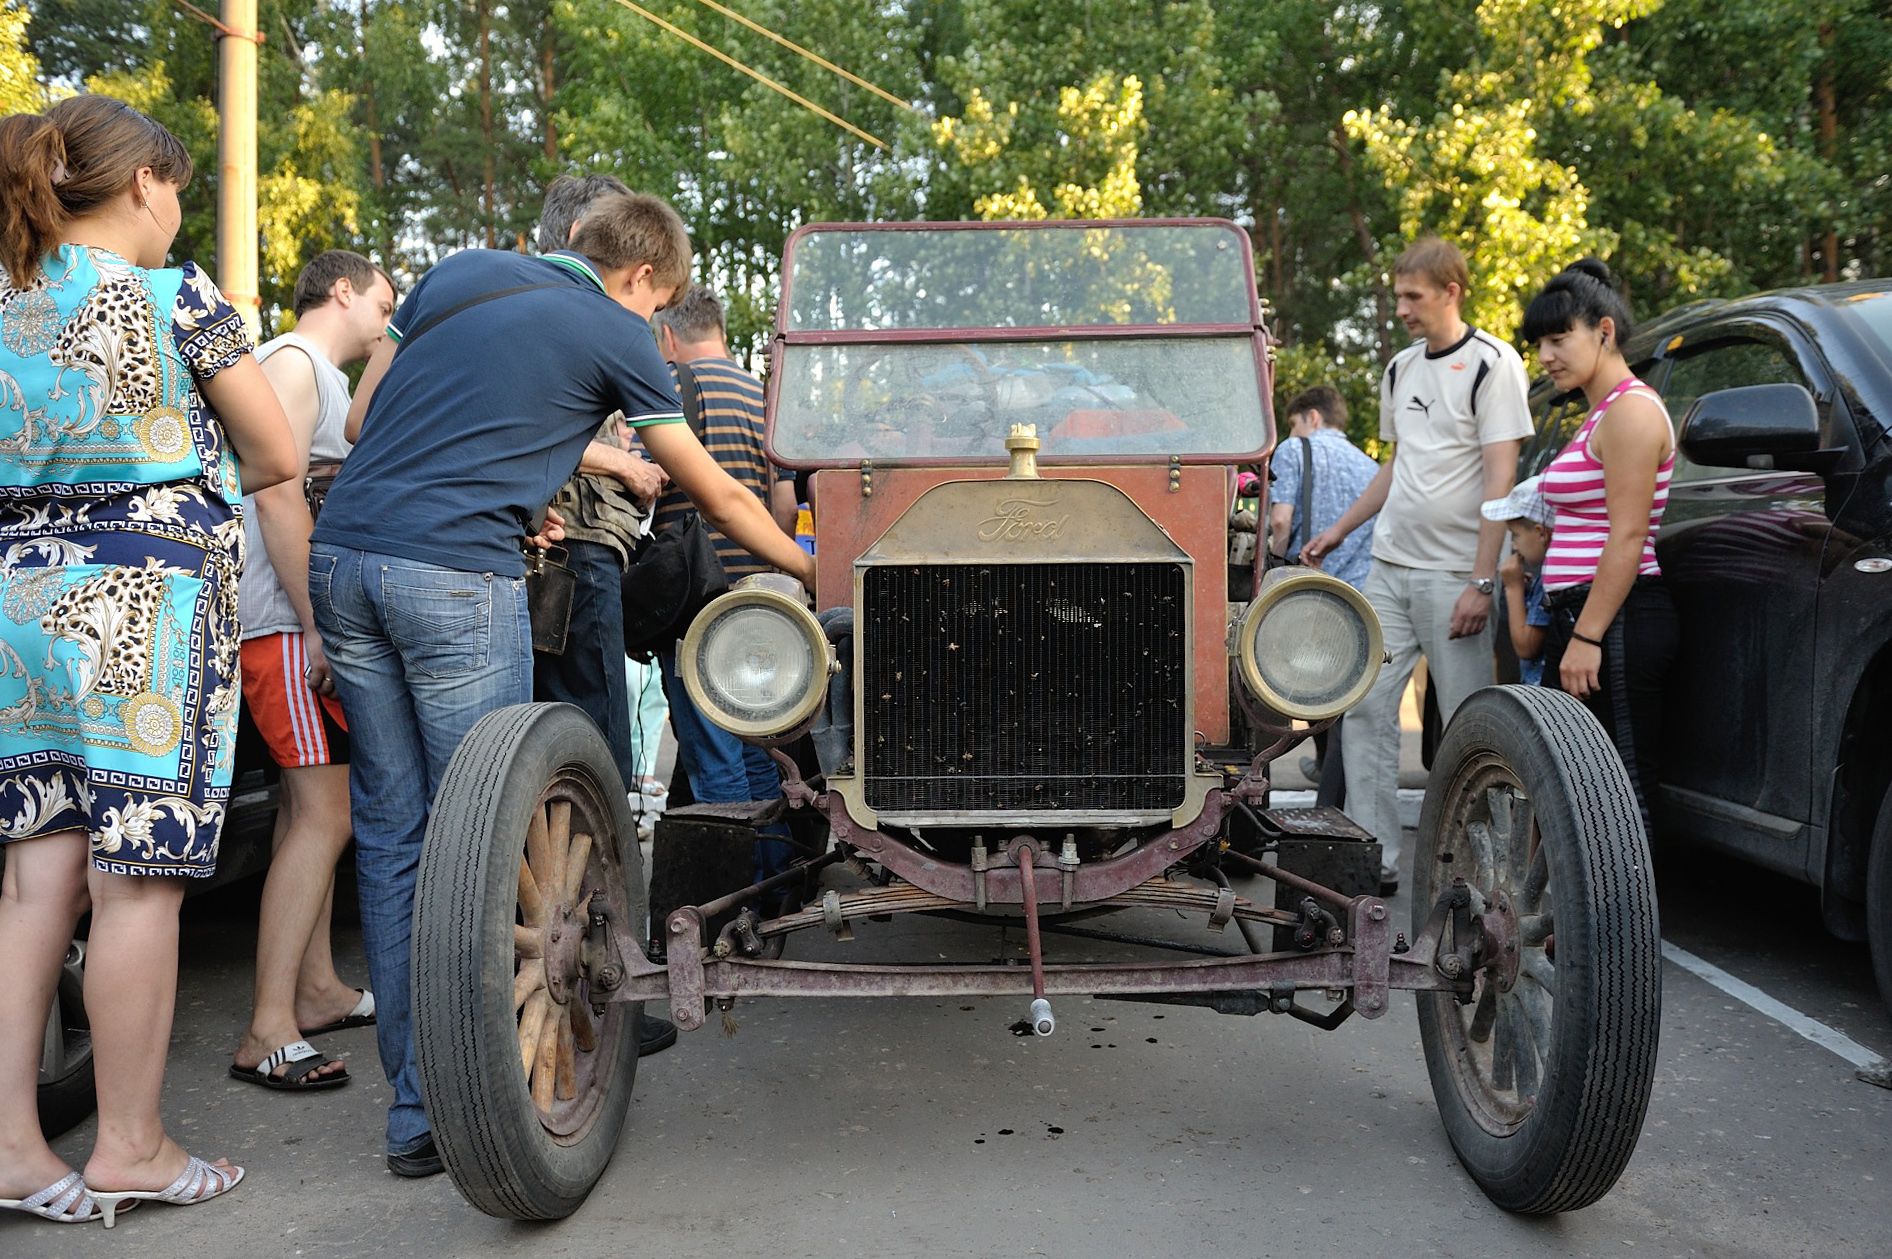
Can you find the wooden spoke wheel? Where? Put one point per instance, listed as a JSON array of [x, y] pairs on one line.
[[1501, 1038], [531, 848], [561, 873], [1543, 1078]]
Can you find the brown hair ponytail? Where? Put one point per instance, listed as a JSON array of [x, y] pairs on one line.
[[32, 157], [69, 162]]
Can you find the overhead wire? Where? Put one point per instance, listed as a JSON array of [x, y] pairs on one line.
[[815, 57], [223, 31], [757, 75]]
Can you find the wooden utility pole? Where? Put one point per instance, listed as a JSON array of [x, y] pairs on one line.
[[1829, 137], [236, 161]]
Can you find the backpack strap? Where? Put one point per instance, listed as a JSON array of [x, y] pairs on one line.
[[469, 304], [1307, 496]]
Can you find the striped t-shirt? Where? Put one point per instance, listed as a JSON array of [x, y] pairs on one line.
[[732, 433], [1573, 484]]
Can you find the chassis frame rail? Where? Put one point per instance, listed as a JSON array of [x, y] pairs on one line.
[[1365, 966]]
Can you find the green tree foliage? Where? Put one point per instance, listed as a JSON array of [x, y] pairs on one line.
[[1053, 70], [75, 39], [1777, 142], [1707, 147], [742, 164], [20, 90], [1099, 129], [1475, 172], [162, 60]]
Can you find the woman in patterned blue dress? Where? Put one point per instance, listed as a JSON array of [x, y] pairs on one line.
[[132, 418]]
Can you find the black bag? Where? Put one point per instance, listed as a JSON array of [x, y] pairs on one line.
[[316, 485], [551, 588], [672, 577], [674, 574]]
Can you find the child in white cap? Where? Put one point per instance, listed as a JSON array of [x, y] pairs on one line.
[[1529, 519]]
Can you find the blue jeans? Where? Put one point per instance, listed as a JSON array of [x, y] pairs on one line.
[[722, 768], [419, 653], [591, 672]]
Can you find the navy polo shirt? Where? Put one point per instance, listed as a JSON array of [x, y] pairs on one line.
[[477, 423]]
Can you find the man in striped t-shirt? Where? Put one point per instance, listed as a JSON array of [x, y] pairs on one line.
[[722, 768]]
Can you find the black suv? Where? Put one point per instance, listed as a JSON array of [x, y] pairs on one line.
[[1777, 548]]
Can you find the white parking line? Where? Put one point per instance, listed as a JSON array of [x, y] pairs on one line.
[[1782, 1013]]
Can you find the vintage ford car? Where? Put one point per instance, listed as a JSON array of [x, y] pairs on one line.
[[1031, 699]]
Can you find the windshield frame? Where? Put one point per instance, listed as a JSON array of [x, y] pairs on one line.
[[1255, 331]]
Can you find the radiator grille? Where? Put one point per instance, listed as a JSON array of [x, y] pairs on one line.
[[1024, 686]]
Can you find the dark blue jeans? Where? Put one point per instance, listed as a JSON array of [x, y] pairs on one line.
[[722, 768], [1638, 649], [419, 654], [591, 672]]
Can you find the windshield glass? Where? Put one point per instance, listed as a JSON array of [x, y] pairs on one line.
[[1067, 277], [1874, 310], [1158, 396]]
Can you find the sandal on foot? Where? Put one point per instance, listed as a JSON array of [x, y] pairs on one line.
[[198, 1182], [361, 1016], [298, 1059], [65, 1201]]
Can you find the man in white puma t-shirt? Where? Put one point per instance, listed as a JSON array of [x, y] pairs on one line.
[[1453, 403]]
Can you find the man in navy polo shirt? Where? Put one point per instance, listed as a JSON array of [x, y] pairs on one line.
[[477, 408]]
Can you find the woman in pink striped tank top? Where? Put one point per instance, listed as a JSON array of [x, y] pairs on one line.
[[1613, 630]]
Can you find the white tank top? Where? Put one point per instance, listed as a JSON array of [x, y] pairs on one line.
[[262, 605]]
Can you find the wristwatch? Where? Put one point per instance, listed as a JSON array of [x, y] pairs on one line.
[[1484, 585]]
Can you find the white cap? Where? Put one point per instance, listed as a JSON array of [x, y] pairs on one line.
[[1524, 502]]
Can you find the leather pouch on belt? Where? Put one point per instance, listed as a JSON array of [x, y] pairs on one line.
[[550, 589]]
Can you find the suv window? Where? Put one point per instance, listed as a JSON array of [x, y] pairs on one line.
[[1725, 365], [1556, 417]]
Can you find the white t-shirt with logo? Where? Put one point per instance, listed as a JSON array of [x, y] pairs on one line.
[[1443, 408]]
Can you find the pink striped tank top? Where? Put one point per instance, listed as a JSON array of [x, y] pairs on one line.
[[1573, 484]]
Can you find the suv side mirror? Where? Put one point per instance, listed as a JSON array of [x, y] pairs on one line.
[[1750, 426]]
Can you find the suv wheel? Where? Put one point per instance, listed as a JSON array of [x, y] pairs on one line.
[[1879, 901], [65, 1066]]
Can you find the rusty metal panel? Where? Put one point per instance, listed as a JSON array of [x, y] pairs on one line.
[[696, 859]]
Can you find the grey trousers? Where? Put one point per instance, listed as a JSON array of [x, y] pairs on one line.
[[1415, 611]]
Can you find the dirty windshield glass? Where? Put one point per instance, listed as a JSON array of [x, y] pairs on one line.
[[869, 281], [1164, 396], [895, 378]]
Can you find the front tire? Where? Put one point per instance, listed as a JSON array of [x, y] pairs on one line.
[[1542, 1088], [527, 1094]]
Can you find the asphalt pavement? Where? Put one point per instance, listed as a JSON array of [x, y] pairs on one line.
[[896, 1128], [927, 1128]]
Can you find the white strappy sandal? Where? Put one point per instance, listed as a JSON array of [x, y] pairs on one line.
[[198, 1182], [65, 1201]]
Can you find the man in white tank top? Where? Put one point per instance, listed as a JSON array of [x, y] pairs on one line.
[[342, 304], [1454, 406]]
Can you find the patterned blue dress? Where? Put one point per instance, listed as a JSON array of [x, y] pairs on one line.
[[120, 545]]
